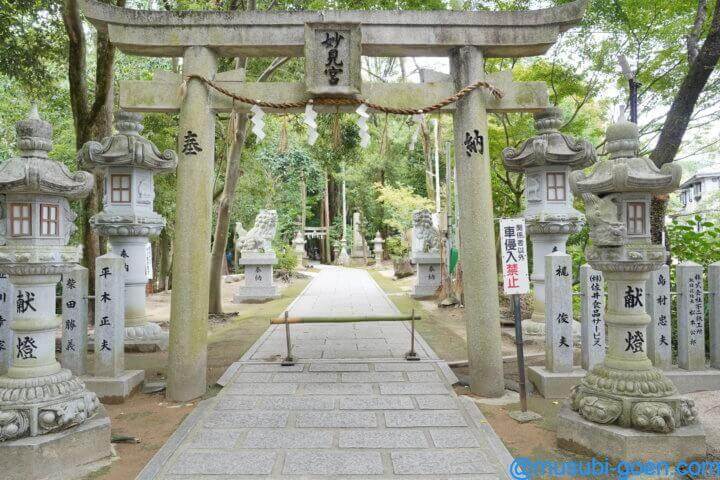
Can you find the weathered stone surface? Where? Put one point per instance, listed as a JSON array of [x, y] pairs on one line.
[[559, 314], [109, 316], [216, 439], [453, 438], [312, 377], [691, 316], [339, 367], [335, 419], [387, 438], [275, 438], [6, 311], [425, 418], [246, 419], [405, 367], [440, 463], [248, 462], [332, 463], [658, 303], [337, 389], [382, 402], [371, 377], [436, 402], [592, 316], [74, 320], [413, 388], [264, 389], [714, 313], [419, 377]]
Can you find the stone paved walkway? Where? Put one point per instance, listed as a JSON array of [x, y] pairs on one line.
[[350, 407]]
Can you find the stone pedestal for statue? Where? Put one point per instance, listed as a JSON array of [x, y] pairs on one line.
[[299, 247], [626, 394], [258, 258], [259, 285], [547, 161], [129, 162], [378, 247], [428, 275], [37, 396]]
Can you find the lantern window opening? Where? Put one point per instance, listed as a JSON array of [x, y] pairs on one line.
[[555, 186], [20, 219], [635, 218], [120, 190], [49, 220]]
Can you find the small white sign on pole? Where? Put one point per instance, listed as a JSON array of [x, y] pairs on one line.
[[514, 256]]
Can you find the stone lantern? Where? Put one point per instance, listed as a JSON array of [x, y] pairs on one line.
[[378, 247], [37, 395], [626, 390], [128, 162], [547, 160]]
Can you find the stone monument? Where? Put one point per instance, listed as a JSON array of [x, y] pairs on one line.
[[427, 257], [128, 162], [359, 248], [258, 258], [625, 408], [49, 421], [299, 247], [378, 247], [547, 160]]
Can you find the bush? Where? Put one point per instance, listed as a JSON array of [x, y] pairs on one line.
[[687, 243], [287, 258], [396, 247]]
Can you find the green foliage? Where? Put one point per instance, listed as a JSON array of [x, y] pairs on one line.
[[396, 247], [399, 205], [286, 256], [687, 243]]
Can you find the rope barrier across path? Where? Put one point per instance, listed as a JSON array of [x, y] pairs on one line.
[[350, 101]]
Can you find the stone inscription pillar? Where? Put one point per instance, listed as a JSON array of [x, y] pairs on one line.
[[477, 232], [75, 320], [109, 316], [592, 313], [657, 305], [189, 305]]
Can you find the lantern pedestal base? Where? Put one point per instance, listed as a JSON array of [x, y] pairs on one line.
[[113, 390], [554, 385], [145, 337], [71, 453], [579, 435]]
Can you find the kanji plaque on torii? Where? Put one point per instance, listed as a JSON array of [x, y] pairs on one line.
[[332, 59]]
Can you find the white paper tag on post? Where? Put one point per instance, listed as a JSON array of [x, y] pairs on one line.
[[514, 256]]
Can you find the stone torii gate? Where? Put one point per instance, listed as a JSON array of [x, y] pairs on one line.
[[201, 37]]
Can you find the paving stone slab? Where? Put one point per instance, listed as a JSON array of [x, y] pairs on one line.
[[453, 438], [313, 377], [436, 402], [443, 462], [337, 389], [339, 367], [224, 463], [263, 388], [252, 377], [386, 438], [404, 367], [424, 418], [372, 377], [271, 367], [213, 438], [384, 402], [413, 388], [420, 377], [284, 438], [333, 463], [336, 419], [247, 418]]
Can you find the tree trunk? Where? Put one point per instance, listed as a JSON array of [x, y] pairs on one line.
[[232, 175], [303, 203], [326, 217], [701, 67]]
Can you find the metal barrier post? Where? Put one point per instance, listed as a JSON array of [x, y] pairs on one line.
[[412, 355], [288, 360]]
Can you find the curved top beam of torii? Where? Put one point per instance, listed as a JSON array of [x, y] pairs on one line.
[[384, 33]]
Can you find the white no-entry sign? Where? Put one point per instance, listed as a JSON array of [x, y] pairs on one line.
[[514, 256]]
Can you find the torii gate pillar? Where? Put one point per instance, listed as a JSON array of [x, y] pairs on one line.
[[187, 351], [477, 233]]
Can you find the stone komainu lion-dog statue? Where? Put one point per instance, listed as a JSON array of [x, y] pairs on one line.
[[426, 231], [259, 237]]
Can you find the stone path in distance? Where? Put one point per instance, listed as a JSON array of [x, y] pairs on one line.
[[351, 407]]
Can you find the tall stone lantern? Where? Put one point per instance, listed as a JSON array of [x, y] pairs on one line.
[[626, 390], [128, 162], [37, 395], [547, 160]]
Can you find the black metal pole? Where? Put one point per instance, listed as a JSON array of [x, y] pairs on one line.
[[520, 354]]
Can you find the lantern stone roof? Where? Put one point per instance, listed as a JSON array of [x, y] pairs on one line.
[[127, 148], [623, 170], [33, 172], [549, 146]]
